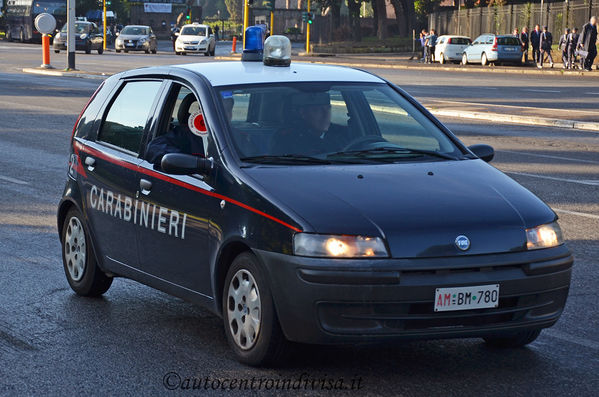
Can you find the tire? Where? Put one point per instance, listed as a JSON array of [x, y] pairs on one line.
[[57, 51], [207, 53], [484, 60], [21, 36], [88, 49], [82, 272], [9, 34], [518, 339], [464, 59], [177, 53], [246, 279], [100, 50], [442, 58], [126, 51], [118, 50]]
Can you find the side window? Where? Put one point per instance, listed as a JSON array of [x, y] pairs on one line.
[[126, 119]]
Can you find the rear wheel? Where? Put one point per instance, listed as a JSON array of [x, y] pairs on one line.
[[249, 315], [464, 59], [484, 60], [518, 339], [441, 58], [79, 262], [21, 36]]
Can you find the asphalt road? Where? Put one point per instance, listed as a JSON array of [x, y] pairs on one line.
[[53, 342]]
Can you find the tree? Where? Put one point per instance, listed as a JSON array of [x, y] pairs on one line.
[[235, 8], [334, 7], [354, 19]]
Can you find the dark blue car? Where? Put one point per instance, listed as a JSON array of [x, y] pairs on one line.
[[305, 203]]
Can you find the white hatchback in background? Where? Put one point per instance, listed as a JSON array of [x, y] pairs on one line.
[[195, 38], [451, 48]]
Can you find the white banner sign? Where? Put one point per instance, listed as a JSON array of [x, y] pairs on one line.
[[161, 8]]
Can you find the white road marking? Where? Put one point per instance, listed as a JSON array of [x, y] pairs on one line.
[[583, 214], [591, 344], [592, 93], [551, 91], [552, 178], [13, 180], [550, 110], [550, 157]]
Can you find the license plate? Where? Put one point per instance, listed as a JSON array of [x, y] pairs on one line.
[[509, 49], [129, 44], [466, 298], [190, 48]]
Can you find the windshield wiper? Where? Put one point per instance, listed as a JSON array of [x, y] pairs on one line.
[[285, 159], [391, 150]]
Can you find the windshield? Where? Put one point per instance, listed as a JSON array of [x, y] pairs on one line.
[[135, 30], [51, 7], [79, 28], [194, 31], [352, 123]]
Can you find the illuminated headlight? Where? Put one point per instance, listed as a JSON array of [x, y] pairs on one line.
[[544, 236], [334, 246], [83, 36]]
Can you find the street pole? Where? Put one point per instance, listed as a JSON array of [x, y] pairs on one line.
[[71, 35], [308, 32], [104, 3], [542, 24], [246, 18], [459, 12], [272, 22]]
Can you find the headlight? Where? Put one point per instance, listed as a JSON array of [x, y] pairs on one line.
[[57, 36], [544, 236], [203, 41], [334, 246], [83, 36], [119, 41], [142, 40]]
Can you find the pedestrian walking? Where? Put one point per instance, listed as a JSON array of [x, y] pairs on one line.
[[423, 35], [535, 37], [572, 43], [524, 39], [545, 43], [587, 46], [563, 46]]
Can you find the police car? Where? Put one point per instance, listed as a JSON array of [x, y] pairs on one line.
[[306, 203]]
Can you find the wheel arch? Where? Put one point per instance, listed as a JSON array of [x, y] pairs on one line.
[[227, 253]]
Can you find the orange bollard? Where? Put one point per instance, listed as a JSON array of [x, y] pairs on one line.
[[234, 49], [46, 51]]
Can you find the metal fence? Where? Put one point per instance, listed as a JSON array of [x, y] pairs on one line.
[[473, 22]]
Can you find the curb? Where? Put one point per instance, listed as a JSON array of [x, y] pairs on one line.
[[506, 118], [61, 73]]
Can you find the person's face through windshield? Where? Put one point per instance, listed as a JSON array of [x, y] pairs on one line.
[[317, 117]]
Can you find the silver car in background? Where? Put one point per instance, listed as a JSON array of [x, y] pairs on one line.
[[490, 48], [136, 38], [450, 48]]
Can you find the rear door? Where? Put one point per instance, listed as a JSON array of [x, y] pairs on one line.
[[475, 50], [110, 164]]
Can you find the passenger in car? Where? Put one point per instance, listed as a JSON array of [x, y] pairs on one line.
[[310, 131], [179, 139]]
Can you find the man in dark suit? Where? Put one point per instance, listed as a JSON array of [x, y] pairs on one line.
[[524, 39], [535, 37], [545, 43], [587, 43], [572, 43], [563, 45]]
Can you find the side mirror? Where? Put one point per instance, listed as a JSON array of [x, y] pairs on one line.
[[185, 164], [484, 152]]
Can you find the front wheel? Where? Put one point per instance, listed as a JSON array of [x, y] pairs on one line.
[[100, 50], [79, 262], [484, 60], [249, 315], [518, 339], [464, 59]]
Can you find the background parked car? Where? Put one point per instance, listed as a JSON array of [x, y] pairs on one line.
[[136, 38], [491, 48], [195, 38], [451, 48], [87, 38]]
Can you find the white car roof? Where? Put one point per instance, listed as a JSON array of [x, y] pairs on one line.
[[236, 72], [454, 36]]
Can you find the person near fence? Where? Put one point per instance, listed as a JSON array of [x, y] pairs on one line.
[[587, 46], [431, 41], [535, 37], [563, 46], [423, 35], [545, 43], [524, 40], [572, 42]]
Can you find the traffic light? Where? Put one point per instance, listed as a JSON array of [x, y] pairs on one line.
[[310, 17], [304, 16], [188, 14], [270, 5], [108, 2]]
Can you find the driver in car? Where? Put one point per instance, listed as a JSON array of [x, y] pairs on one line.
[[310, 130]]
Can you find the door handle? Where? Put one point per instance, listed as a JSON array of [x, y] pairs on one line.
[[90, 162], [145, 186]]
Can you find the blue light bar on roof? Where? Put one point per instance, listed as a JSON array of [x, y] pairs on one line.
[[254, 44]]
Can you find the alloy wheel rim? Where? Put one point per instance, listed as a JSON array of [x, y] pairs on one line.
[[244, 310], [75, 249]]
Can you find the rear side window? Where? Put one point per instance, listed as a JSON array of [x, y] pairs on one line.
[[126, 119], [459, 40]]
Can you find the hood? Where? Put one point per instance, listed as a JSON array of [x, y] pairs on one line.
[[191, 38], [418, 208]]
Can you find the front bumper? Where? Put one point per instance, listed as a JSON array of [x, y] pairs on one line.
[[191, 47], [80, 45], [346, 301], [132, 47]]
